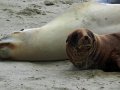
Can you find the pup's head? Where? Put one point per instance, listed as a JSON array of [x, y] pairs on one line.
[[78, 45]]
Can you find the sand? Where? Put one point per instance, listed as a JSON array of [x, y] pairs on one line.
[[62, 75]]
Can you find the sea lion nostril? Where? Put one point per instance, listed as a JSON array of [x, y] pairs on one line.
[[86, 37]]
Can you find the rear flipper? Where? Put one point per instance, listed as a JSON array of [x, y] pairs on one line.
[[7, 46]]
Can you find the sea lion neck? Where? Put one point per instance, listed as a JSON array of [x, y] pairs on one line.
[[100, 51]]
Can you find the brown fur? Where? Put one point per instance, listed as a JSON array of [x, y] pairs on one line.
[[87, 50]]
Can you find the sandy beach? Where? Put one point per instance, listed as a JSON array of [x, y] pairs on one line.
[[16, 15]]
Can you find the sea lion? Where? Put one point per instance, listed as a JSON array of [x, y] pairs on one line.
[[109, 1], [87, 50], [48, 41]]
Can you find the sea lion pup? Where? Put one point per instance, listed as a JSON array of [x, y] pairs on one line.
[[87, 50], [48, 41]]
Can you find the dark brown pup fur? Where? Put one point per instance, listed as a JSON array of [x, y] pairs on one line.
[[87, 50]]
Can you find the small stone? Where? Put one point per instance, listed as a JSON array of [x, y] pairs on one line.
[[49, 3], [83, 89], [101, 87], [7, 20], [43, 13], [67, 2], [14, 66], [57, 65]]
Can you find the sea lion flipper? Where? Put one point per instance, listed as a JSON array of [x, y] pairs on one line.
[[116, 57], [6, 46], [117, 60]]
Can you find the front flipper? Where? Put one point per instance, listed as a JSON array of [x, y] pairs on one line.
[[117, 60], [115, 56], [7, 46]]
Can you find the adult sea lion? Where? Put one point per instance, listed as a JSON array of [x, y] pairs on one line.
[[48, 41], [87, 50], [109, 1]]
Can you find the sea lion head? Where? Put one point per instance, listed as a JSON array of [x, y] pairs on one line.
[[78, 46]]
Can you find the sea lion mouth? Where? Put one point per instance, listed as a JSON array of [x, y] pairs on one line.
[[80, 55], [82, 61], [84, 48]]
